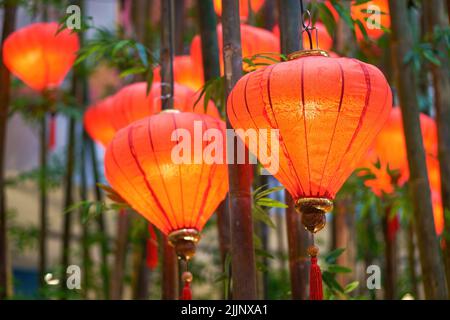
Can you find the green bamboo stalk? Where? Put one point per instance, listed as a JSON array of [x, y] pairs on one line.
[[9, 18]]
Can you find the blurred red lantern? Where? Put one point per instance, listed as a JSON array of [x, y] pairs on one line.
[[39, 56], [184, 72], [327, 112], [434, 175], [253, 41], [374, 15], [132, 103], [325, 40], [389, 149], [243, 7]]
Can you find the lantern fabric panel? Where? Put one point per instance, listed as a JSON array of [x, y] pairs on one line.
[[40, 57], [243, 7], [184, 72], [253, 41], [327, 110], [96, 121], [139, 166], [359, 12]]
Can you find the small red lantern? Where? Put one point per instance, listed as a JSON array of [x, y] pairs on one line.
[[327, 112], [184, 72], [39, 56], [370, 14], [254, 41]]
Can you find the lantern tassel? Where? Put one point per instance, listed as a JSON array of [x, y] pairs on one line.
[[152, 249], [52, 132], [186, 294], [315, 276]]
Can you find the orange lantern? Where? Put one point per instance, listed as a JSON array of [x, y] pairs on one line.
[[132, 103], [39, 56], [374, 15], [176, 189], [389, 149], [325, 40], [253, 40], [327, 112], [243, 7], [184, 72]]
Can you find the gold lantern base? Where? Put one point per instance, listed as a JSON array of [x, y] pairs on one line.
[[313, 212], [185, 242]]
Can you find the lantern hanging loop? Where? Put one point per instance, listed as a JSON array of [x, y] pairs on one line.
[[306, 26]]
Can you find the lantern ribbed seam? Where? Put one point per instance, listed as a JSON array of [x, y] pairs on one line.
[[335, 124], [144, 176], [285, 151], [304, 125], [167, 224], [358, 128], [162, 179]]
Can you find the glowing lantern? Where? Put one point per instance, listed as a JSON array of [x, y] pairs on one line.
[[373, 15], [253, 41], [243, 7], [39, 56], [328, 111], [325, 40], [389, 149], [176, 189], [184, 72], [132, 103]]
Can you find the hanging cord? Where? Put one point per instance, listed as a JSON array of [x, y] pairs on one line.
[[315, 275], [306, 26], [186, 294]]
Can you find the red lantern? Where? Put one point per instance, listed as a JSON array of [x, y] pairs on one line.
[[39, 56], [243, 7], [132, 103], [254, 41], [389, 149], [327, 112], [325, 40], [370, 14], [184, 72]]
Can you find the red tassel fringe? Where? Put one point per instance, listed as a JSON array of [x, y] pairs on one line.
[[52, 133], [152, 249], [187, 292], [315, 281]]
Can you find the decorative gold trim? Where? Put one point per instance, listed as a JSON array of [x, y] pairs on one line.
[[185, 242], [170, 111], [313, 212], [307, 53]]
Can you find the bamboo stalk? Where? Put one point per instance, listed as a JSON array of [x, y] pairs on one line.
[[43, 201], [9, 19], [432, 266], [170, 265], [389, 258], [118, 270], [240, 175], [100, 221], [84, 225], [438, 17], [412, 260]]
